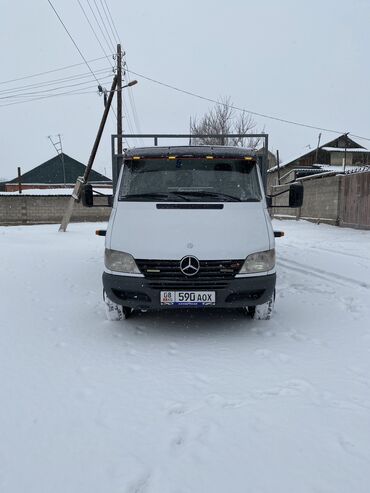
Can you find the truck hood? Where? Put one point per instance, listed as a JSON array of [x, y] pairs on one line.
[[234, 232]]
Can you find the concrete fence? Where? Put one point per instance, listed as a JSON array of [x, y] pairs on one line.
[[342, 200], [44, 209]]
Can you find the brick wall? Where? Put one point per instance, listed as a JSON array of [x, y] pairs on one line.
[[32, 209], [321, 201]]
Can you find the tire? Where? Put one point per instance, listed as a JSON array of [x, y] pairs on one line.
[[115, 312], [262, 312]]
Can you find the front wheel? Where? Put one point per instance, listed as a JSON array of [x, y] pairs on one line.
[[115, 312], [262, 312]]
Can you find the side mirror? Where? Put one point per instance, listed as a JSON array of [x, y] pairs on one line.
[[87, 196], [295, 195]]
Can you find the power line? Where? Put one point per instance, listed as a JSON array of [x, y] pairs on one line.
[[56, 13], [98, 40], [244, 110], [73, 41], [113, 24], [50, 71], [109, 21], [51, 82], [189, 93], [47, 90], [132, 102], [105, 27], [99, 26], [96, 36], [71, 93], [93, 30]]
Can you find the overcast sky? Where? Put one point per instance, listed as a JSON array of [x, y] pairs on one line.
[[294, 59]]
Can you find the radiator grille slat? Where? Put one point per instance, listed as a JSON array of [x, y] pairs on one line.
[[166, 274]]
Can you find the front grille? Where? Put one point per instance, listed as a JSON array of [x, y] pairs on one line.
[[166, 274]]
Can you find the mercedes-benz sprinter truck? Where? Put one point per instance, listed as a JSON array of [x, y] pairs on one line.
[[190, 228]]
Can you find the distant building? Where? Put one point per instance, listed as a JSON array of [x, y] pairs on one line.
[[340, 155], [57, 173], [271, 157]]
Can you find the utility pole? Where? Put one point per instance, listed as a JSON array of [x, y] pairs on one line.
[[59, 148], [19, 180], [317, 149], [345, 151], [76, 195], [119, 104], [278, 165]]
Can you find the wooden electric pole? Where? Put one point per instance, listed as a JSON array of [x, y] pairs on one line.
[[119, 102], [76, 195], [19, 180], [278, 165]]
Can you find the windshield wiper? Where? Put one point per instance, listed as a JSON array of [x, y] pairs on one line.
[[151, 195], [139, 196], [252, 199], [206, 193]]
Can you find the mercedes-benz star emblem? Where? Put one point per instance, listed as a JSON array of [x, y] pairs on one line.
[[189, 266]]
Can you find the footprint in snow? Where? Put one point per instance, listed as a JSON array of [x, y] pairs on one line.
[[176, 408], [216, 400], [178, 440], [140, 485], [263, 353], [173, 349]]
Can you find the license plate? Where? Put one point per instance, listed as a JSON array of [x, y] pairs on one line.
[[188, 298]]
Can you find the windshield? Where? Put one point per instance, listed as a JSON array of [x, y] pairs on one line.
[[191, 179]]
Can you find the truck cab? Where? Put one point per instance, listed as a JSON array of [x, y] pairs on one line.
[[189, 228]]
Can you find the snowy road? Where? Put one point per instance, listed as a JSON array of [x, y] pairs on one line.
[[184, 401]]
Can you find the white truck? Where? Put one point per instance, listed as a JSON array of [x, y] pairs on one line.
[[190, 228]]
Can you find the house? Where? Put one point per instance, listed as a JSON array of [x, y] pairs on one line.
[[61, 171], [340, 155]]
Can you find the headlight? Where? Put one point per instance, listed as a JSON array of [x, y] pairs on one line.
[[259, 262], [120, 262]]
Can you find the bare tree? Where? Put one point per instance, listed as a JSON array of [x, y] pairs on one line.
[[222, 120]]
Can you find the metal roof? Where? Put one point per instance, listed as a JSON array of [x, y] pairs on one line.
[[325, 147], [51, 172]]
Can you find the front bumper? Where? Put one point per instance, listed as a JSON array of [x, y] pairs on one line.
[[139, 293]]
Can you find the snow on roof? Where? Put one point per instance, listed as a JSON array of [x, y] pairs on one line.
[[308, 150], [348, 149], [338, 168]]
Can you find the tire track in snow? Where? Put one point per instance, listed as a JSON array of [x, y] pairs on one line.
[[336, 252], [320, 273]]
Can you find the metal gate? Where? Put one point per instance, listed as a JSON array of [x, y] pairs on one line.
[[355, 201]]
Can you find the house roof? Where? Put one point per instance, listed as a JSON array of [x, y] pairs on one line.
[[51, 172], [330, 146]]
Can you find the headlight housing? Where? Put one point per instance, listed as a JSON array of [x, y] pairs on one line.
[[120, 262], [259, 262]]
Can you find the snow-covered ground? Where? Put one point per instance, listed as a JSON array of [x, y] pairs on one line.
[[185, 401]]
